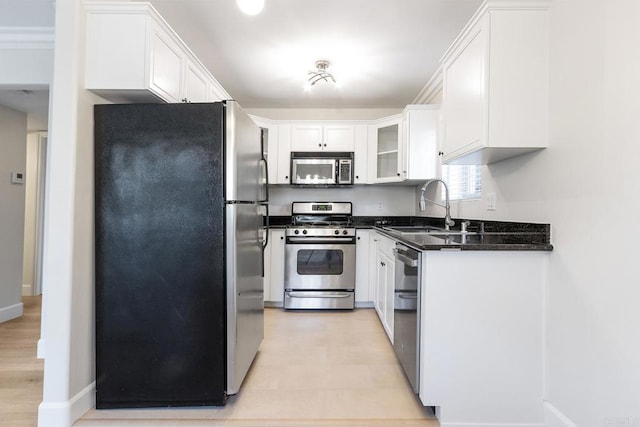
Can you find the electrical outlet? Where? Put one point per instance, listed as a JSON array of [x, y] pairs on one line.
[[380, 206], [491, 201]]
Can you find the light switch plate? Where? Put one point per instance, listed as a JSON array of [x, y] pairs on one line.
[[491, 201], [17, 177]]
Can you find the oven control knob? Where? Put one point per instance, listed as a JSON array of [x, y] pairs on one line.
[[304, 231], [296, 232], [337, 231], [344, 232]]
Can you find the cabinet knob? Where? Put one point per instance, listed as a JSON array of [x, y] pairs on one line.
[[382, 263], [281, 238], [286, 177], [319, 145], [185, 100], [398, 174], [358, 237], [357, 177], [325, 145], [440, 153]]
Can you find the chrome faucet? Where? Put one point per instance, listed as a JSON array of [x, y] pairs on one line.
[[448, 222]]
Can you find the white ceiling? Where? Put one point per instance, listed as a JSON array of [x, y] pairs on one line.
[[382, 52]]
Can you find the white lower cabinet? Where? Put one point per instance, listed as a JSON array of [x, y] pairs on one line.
[[363, 281], [274, 268], [481, 336], [384, 273]]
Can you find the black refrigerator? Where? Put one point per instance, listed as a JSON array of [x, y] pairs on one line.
[[180, 200]]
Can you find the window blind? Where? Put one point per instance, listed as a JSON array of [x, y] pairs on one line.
[[464, 181]]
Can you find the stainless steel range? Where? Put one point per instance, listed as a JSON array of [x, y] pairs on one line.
[[320, 257]]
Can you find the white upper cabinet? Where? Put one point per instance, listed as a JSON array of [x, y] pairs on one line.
[[165, 66], [406, 146], [361, 156], [196, 85], [386, 138], [284, 155], [321, 137], [400, 149], [495, 84], [420, 142], [134, 56]]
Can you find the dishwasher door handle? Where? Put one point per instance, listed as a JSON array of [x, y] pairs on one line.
[[405, 259]]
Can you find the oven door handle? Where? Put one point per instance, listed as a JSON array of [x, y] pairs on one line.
[[318, 295], [329, 240]]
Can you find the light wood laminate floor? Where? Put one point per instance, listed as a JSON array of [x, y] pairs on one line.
[[312, 369], [20, 371]]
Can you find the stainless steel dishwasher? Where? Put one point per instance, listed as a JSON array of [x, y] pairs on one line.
[[406, 312]]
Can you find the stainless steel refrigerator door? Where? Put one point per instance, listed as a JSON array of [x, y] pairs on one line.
[[245, 290], [244, 176]]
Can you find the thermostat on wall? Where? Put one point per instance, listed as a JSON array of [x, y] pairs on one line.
[[17, 178]]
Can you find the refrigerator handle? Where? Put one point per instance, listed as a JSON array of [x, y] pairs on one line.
[[266, 240], [266, 231], [266, 180]]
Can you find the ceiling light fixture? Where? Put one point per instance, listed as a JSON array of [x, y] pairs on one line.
[[320, 73], [251, 7]]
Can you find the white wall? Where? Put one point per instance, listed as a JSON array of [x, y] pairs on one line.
[[586, 185], [13, 135], [368, 200], [37, 122], [68, 314]]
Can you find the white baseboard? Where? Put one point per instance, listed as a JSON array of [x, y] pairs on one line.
[[363, 304], [553, 417], [490, 425], [27, 290], [11, 312], [64, 414]]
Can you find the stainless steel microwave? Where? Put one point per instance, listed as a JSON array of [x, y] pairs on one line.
[[321, 168]]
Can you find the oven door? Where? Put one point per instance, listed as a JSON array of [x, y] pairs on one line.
[[327, 264], [313, 171]]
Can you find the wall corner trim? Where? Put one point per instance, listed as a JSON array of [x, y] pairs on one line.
[[553, 417], [11, 312], [65, 413], [40, 352]]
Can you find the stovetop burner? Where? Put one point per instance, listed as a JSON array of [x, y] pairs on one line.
[[320, 221], [321, 214], [321, 218]]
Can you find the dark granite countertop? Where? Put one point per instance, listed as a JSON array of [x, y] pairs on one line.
[[474, 241], [483, 235]]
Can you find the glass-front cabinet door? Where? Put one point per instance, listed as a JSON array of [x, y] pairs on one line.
[[388, 153]]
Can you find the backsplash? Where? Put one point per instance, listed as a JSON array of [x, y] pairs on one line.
[[367, 200]]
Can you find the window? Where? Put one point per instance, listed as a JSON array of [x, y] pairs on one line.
[[464, 181]]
